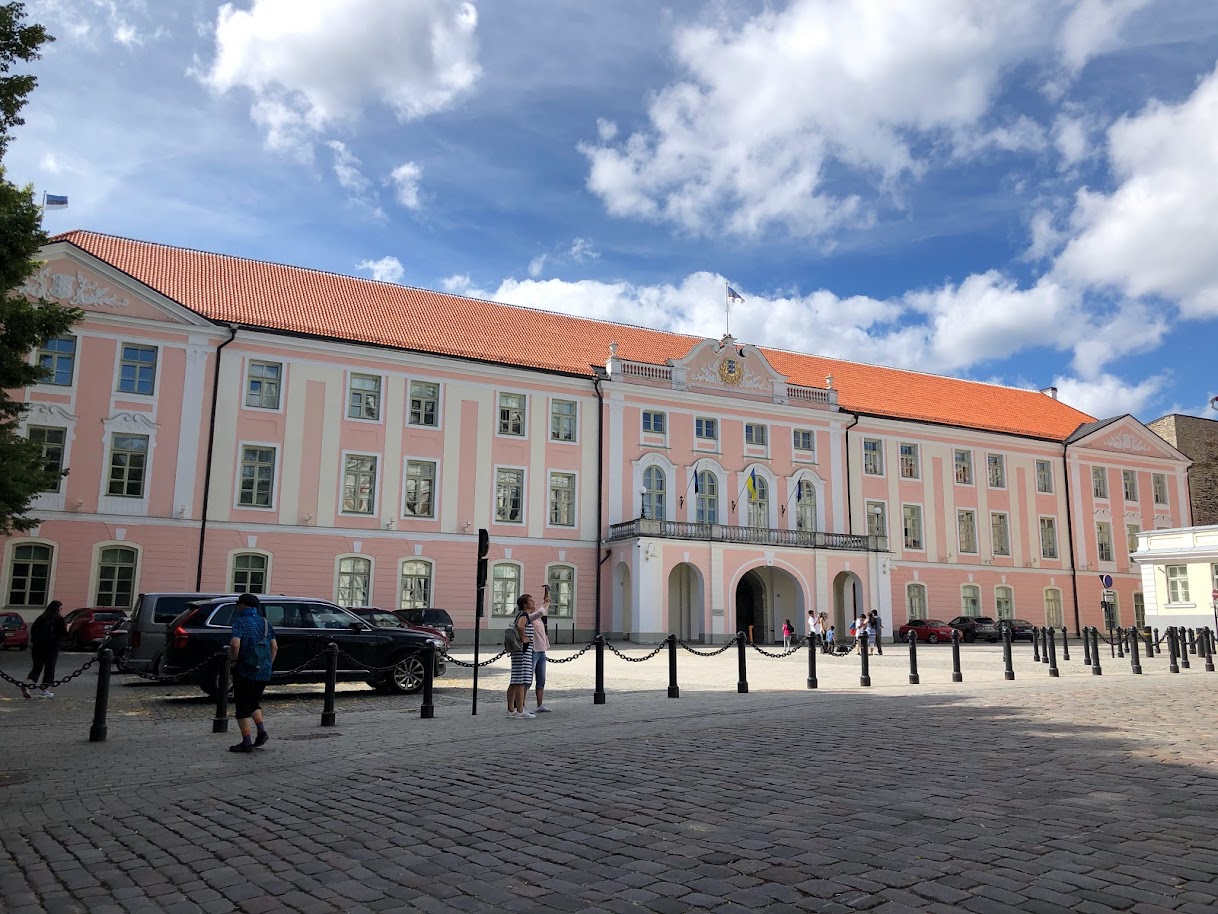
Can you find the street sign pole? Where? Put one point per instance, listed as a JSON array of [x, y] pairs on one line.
[[484, 546], [1214, 605]]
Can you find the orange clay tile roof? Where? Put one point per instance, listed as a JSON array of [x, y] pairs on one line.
[[230, 289]]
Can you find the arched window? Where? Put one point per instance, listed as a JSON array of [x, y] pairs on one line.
[[970, 600], [505, 589], [759, 504], [915, 601], [707, 485], [354, 581], [805, 506], [115, 577], [1053, 607], [30, 575], [249, 572], [562, 591], [1004, 603], [654, 485], [416, 584]]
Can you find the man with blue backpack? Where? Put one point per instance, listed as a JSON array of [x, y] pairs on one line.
[[252, 649]]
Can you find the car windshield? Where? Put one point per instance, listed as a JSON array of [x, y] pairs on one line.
[[935, 623], [1023, 622], [10, 620], [109, 616], [380, 618]]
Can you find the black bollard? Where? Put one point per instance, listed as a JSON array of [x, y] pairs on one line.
[[913, 658], [1044, 644], [957, 676], [742, 685], [1009, 672], [1095, 652], [1192, 641], [1182, 641], [1086, 646], [1150, 644], [1158, 647], [1135, 662], [1065, 645], [1172, 665], [673, 691], [1051, 652], [812, 661], [427, 710], [105, 660], [220, 723], [1036, 645], [1209, 649], [1112, 640], [598, 695], [1120, 642], [327, 708], [865, 673]]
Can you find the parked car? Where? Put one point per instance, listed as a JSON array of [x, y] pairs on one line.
[[435, 618], [384, 618], [303, 627], [931, 631], [973, 627], [14, 633], [145, 632], [1020, 628], [87, 628]]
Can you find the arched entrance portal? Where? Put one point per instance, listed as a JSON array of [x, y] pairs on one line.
[[765, 597], [847, 600], [685, 606], [623, 621]]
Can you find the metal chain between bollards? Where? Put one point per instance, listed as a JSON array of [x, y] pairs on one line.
[[714, 653], [660, 647], [786, 653], [482, 663], [583, 650], [22, 684], [157, 677]]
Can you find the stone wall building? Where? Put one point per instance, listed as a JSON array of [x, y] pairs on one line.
[[1197, 438]]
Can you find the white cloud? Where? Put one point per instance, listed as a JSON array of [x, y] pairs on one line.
[[1046, 236], [50, 163], [387, 269], [1155, 234], [1094, 26], [405, 180], [582, 250], [605, 129], [1108, 395], [1071, 137], [312, 64], [537, 264], [347, 169]]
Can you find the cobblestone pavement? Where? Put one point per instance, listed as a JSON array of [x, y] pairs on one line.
[[1083, 793]]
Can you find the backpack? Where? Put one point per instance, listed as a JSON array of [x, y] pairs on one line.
[[512, 642], [259, 656]]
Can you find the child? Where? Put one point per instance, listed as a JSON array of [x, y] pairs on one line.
[[787, 631], [829, 640]]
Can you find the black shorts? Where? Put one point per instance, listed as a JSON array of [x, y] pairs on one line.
[[247, 695]]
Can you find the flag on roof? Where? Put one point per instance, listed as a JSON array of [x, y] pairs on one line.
[[733, 295], [54, 201]]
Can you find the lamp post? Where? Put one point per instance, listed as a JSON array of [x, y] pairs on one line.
[[642, 502]]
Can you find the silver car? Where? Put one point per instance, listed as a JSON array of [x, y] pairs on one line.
[[144, 649]]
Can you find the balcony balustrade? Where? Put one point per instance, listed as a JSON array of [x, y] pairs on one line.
[[751, 536]]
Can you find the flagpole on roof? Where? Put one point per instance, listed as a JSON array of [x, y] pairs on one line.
[[43, 211], [727, 310]]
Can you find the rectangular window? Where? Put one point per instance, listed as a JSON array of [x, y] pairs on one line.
[[115, 577], [909, 461], [262, 388], [137, 370], [57, 359], [1004, 603], [1000, 534], [996, 469], [249, 573], [912, 515], [354, 581], [756, 434], [915, 601], [1158, 482], [364, 397], [1053, 607], [509, 496], [653, 422], [873, 457], [1099, 482], [416, 585], [359, 484], [1129, 482], [424, 404], [561, 579], [512, 414], [707, 429], [1048, 537], [420, 487], [964, 468], [29, 575], [563, 415], [562, 499], [970, 600], [257, 477], [1139, 610], [505, 589], [1044, 477], [52, 441], [1131, 537], [1103, 540], [805, 440], [1177, 583], [877, 519], [966, 521], [128, 463]]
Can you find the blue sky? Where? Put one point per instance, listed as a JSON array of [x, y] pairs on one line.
[[1021, 193]]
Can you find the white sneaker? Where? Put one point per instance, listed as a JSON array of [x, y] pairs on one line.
[[528, 714], [46, 693], [542, 709], [511, 713]]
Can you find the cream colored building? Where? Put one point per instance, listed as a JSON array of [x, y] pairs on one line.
[[1179, 576]]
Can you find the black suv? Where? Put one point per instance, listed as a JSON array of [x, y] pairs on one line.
[[303, 627], [973, 627], [1020, 629], [432, 618]]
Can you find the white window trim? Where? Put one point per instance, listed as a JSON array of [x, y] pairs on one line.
[[245, 384], [126, 423], [1011, 589], [920, 585], [60, 388], [974, 587], [524, 421], [1002, 458], [1107, 496], [993, 549], [818, 488], [6, 580], [524, 495], [347, 417], [397, 585], [917, 476], [550, 439], [231, 562], [887, 521], [441, 390], [1057, 538], [435, 487], [972, 467], [646, 437], [801, 456], [976, 550], [706, 445], [1036, 477], [707, 465], [274, 505], [95, 569], [338, 560], [650, 459], [53, 415], [1111, 543], [743, 503], [922, 519], [575, 494], [490, 584], [1137, 487], [863, 458], [1153, 496], [755, 450], [574, 587], [1061, 605], [158, 365], [376, 486]]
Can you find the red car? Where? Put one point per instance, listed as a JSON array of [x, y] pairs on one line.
[[16, 634], [931, 631], [87, 628], [383, 618]]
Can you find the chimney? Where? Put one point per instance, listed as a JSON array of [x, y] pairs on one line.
[[1049, 392]]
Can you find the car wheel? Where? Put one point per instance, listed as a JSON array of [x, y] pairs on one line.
[[932, 638], [407, 675], [969, 637]]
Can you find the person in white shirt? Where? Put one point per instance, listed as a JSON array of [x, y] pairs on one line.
[[817, 627], [541, 643]]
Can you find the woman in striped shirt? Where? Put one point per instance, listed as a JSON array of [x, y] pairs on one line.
[[522, 661]]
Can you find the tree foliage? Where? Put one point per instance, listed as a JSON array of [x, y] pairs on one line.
[[23, 324]]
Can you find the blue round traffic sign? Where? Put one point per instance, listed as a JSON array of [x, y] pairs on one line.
[[1107, 579]]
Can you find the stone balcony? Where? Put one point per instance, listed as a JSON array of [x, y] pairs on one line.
[[746, 536]]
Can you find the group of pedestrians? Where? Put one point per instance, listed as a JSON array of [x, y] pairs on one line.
[[529, 663], [824, 635]]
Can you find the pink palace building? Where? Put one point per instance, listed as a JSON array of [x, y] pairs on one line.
[[234, 425]]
